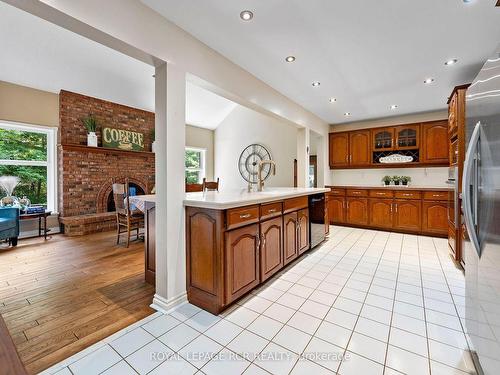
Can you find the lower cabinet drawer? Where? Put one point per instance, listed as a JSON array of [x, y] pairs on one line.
[[335, 191], [408, 195], [381, 194], [435, 195], [357, 193], [237, 217], [294, 204], [270, 210]]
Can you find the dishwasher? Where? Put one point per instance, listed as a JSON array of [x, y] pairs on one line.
[[317, 219]]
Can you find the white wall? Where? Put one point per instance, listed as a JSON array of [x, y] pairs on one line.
[[425, 177], [202, 138], [243, 127]]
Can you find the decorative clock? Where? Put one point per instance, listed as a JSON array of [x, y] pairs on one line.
[[248, 163]]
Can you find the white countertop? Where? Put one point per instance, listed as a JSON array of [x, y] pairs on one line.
[[238, 198]]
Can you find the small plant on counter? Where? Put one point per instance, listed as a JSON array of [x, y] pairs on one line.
[[396, 180], [386, 180], [405, 180]]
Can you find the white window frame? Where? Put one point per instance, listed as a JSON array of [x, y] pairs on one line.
[[202, 169], [51, 162]]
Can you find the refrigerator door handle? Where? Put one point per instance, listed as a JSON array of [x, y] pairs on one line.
[[469, 188]]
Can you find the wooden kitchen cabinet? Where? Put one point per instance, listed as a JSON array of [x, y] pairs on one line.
[[435, 143], [242, 261], [339, 149], [398, 209], [383, 139], [407, 137], [290, 229], [271, 248], [427, 143], [303, 230], [336, 209], [380, 213], [407, 214], [357, 211], [435, 217], [359, 148]]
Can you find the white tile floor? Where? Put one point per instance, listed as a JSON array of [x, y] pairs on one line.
[[364, 302]]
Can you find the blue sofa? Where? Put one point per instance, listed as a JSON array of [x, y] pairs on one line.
[[9, 224]]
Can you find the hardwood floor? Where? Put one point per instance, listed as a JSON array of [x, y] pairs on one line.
[[61, 296]]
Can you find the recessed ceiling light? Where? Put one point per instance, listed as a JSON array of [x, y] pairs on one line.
[[347, 114], [290, 59], [428, 80], [246, 15], [394, 106], [332, 100], [316, 83], [451, 62]]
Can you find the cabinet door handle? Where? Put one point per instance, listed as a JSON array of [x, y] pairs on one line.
[[263, 240], [436, 195], [391, 207], [272, 210], [396, 206], [258, 242], [245, 216]]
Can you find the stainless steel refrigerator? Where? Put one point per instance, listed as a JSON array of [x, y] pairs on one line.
[[481, 210]]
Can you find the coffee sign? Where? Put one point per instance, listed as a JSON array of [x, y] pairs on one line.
[[122, 139]]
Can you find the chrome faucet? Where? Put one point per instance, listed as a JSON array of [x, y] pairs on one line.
[[261, 165]]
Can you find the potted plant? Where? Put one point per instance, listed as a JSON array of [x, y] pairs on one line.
[[90, 124], [405, 180], [396, 180], [153, 141], [387, 180]]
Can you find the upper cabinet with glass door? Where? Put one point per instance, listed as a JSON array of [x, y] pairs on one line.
[[383, 139], [407, 137], [404, 137]]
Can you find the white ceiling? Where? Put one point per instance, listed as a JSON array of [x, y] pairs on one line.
[[39, 54], [367, 54]]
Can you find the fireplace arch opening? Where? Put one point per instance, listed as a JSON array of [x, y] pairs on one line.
[[134, 189]]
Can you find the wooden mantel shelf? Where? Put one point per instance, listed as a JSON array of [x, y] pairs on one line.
[[107, 150]]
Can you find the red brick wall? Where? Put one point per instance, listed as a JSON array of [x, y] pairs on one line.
[[73, 107], [85, 175]]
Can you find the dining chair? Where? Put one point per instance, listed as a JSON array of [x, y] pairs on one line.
[[210, 185], [191, 188], [127, 219]]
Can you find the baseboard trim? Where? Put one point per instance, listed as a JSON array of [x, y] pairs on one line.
[[166, 305]]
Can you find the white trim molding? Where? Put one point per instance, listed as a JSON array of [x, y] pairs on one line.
[[166, 306]]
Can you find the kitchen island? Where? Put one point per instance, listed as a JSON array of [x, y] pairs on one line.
[[235, 240]]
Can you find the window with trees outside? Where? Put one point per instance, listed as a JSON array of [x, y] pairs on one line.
[[195, 165], [28, 152]]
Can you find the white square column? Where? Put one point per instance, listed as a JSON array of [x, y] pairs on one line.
[[170, 134], [303, 146]]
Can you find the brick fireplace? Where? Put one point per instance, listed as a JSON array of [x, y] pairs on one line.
[[85, 174]]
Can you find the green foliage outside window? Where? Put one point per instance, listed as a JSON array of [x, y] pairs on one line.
[[193, 164], [27, 146]]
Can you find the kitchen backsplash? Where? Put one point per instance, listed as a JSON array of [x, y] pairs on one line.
[[431, 177]]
